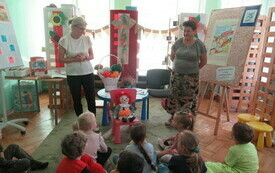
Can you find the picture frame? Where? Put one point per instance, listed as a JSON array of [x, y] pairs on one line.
[[38, 66], [250, 15]]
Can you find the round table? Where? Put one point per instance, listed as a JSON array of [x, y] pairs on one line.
[[142, 95]]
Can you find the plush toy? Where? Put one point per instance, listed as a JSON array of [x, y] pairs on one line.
[[124, 111]]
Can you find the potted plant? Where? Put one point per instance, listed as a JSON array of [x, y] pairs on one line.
[[128, 81]]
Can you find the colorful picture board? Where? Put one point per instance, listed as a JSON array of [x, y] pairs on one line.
[[227, 42], [9, 51]]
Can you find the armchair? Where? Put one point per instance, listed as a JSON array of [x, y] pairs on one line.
[[156, 82]]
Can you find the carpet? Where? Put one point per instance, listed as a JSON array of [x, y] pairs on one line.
[[50, 149]]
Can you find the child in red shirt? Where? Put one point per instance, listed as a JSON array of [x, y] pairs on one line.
[[72, 147]]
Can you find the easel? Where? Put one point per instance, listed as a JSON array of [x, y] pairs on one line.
[[224, 97], [5, 122]]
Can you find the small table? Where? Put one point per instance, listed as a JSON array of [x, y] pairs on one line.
[[35, 79], [105, 96]]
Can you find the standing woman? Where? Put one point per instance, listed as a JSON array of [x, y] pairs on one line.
[[188, 55], [75, 50]]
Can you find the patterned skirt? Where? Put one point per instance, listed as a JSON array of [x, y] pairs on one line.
[[184, 90]]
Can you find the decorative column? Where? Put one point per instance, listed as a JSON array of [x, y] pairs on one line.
[[123, 40]]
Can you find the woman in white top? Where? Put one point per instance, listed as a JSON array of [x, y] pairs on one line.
[[75, 50]]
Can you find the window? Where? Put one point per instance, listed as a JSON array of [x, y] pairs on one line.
[[238, 3], [155, 14], [97, 15]]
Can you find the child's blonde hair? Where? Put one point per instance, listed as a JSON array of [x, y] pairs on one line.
[[190, 142], [85, 122], [186, 119]]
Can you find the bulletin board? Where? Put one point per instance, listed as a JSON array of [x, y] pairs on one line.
[[9, 51], [228, 38]]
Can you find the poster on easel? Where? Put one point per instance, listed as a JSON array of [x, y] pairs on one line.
[[9, 51], [227, 41]]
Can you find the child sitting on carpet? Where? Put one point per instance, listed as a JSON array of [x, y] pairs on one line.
[[129, 162], [189, 159], [72, 147], [241, 157], [181, 121], [96, 147], [24, 161], [144, 149]]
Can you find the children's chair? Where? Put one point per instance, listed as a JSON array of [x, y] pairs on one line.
[[116, 129], [262, 130], [244, 118], [115, 95]]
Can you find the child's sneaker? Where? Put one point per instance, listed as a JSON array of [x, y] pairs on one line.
[[39, 165], [161, 143]]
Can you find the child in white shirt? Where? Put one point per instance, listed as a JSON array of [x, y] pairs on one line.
[[96, 146]]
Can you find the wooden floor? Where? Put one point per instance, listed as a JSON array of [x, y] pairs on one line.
[[214, 148]]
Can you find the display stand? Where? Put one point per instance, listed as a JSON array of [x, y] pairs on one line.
[[264, 98], [9, 57], [227, 45], [5, 122], [241, 97], [223, 102]]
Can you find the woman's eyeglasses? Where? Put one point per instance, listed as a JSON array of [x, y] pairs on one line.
[[81, 29]]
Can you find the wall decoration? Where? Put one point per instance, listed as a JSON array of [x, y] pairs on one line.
[[199, 18], [123, 40], [58, 18], [56, 26], [250, 15], [124, 23], [221, 41], [54, 37], [12, 48], [11, 60], [3, 14], [4, 38]]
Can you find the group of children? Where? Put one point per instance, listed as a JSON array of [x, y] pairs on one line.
[[85, 151]]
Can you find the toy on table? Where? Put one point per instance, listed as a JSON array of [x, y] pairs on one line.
[[124, 110]]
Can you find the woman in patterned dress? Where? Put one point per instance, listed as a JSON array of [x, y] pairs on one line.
[[188, 55]]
